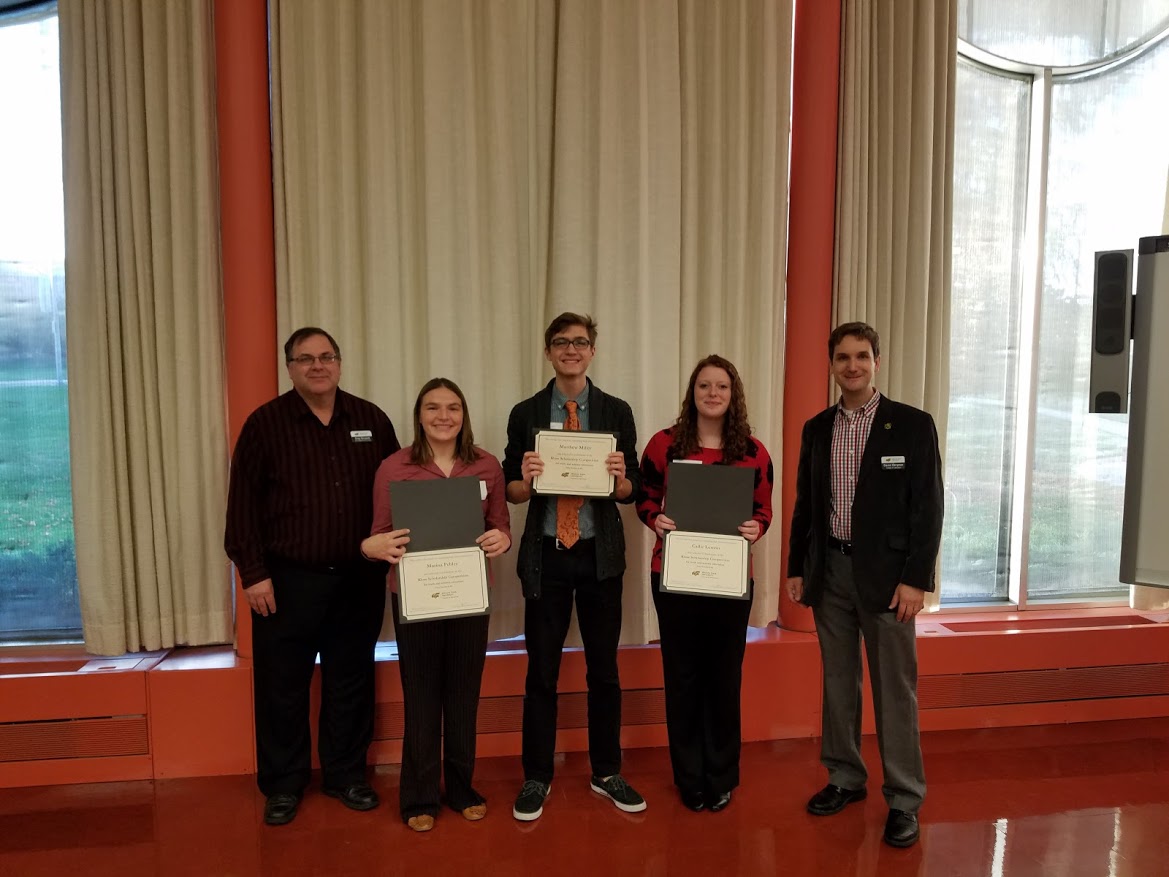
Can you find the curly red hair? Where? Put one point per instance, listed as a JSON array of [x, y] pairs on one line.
[[736, 428]]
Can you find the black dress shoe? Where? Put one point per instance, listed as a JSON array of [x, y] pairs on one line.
[[832, 799], [359, 796], [693, 801], [901, 829], [719, 802], [280, 809]]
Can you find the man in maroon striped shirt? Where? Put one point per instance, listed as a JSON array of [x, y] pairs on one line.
[[865, 534], [299, 504]]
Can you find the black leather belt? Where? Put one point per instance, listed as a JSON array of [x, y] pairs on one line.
[[837, 545]]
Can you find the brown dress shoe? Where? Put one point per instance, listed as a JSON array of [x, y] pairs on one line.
[[425, 822], [475, 812]]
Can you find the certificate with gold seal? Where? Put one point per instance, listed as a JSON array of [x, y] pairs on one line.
[[574, 462], [448, 583], [706, 564]]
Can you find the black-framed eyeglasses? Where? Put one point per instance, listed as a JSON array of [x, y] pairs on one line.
[[305, 360], [578, 343]]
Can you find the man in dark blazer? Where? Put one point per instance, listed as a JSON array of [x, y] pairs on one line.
[[573, 549], [864, 543]]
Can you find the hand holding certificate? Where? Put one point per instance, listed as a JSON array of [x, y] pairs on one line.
[[575, 463], [443, 574], [707, 554]]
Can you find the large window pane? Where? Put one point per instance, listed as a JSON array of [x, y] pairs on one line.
[[38, 580], [1059, 33], [1108, 159], [990, 179]]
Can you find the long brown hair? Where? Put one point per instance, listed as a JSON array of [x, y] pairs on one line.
[[736, 429], [420, 452]]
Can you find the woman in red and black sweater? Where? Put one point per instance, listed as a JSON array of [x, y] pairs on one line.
[[703, 638]]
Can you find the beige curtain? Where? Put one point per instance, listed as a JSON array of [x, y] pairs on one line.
[[146, 401], [894, 201], [451, 174]]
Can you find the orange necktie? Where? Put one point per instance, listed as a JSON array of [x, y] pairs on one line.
[[568, 507]]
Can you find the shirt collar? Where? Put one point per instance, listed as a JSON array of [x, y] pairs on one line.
[[582, 401], [340, 408], [867, 409]]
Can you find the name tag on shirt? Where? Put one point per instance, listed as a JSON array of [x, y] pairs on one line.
[[893, 462], [361, 435], [556, 426], [482, 489]]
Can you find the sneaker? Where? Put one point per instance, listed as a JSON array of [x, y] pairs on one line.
[[529, 804], [619, 792]]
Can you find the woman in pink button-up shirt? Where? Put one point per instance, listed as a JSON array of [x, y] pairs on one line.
[[441, 661]]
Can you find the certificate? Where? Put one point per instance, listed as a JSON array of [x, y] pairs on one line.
[[449, 583], [574, 462], [706, 564]]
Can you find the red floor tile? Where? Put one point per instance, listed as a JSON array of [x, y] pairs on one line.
[[1056, 801]]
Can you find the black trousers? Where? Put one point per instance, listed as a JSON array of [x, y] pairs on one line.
[[441, 663], [337, 615], [567, 576], [703, 640]]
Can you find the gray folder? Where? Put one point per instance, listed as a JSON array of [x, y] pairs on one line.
[[709, 499], [439, 513]]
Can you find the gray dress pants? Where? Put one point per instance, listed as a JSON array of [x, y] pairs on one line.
[[891, 649]]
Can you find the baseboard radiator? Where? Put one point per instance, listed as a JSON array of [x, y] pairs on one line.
[[497, 715], [74, 738], [1042, 686]]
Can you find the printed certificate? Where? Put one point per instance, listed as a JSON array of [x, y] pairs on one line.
[[574, 462], [448, 583], [706, 564]]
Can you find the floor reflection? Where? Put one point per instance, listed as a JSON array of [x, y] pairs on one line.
[[1057, 801]]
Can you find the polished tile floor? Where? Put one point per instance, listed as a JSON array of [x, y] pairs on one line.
[[1055, 801]]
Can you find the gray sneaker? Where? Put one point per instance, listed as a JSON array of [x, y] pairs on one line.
[[619, 792], [529, 804]]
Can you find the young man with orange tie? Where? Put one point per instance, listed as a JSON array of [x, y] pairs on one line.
[[572, 551]]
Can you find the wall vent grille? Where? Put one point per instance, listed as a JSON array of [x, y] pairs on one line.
[[646, 706], [74, 738], [1042, 686]]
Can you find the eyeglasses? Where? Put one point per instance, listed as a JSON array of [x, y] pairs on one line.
[[578, 343], [305, 360]]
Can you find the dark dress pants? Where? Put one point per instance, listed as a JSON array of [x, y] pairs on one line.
[[337, 615], [703, 640], [569, 575], [441, 664], [891, 649]]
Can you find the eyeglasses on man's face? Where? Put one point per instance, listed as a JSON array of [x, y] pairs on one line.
[[306, 360], [578, 343]]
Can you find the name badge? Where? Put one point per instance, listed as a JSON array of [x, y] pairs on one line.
[[482, 489], [556, 426], [361, 435], [893, 462]]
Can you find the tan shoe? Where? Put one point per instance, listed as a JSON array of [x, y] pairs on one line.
[[475, 812], [425, 822]]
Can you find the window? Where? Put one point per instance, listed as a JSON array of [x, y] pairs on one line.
[[38, 577], [1051, 164]]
